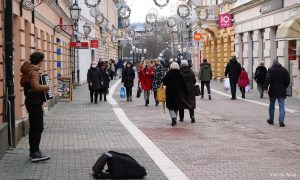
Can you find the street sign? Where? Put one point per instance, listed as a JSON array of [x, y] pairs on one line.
[[197, 36], [225, 20], [79, 45], [94, 43]]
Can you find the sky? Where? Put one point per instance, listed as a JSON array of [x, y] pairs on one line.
[[140, 8]]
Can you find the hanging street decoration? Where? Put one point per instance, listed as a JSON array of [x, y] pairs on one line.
[[108, 28], [151, 18], [131, 33], [100, 19], [171, 22], [148, 28], [114, 39], [126, 23], [153, 11], [94, 12], [28, 5], [92, 3], [124, 12], [183, 11], [161, 3]]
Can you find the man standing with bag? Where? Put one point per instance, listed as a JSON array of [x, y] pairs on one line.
[[205, 76], [277, 80], [233, 70]]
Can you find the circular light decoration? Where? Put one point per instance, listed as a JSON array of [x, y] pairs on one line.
[[171, 22], [197, 2], [183, 11], [131, 33], [153, 11], [94, 12], [151, 18], [161, 3], [148, 28], [28, 5], [100, 18], [108, 28], [124, 12], [114, 39], [92, 3], [126, 23]]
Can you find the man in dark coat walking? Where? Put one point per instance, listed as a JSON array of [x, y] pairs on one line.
[[233, 70], [189, 99], [277, 80], [205, 76], [260, 78]]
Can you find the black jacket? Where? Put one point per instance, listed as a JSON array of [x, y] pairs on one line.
[[189, 99], [278, 79], [128, 76], [233, 69], [260, 74], [93, 76], [104, 79], [175, 87]]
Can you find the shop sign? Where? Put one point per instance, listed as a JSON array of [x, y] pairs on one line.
[[292, 54], [271, 6], [197, 36], [95, 43], [79, 45], [225, 20]]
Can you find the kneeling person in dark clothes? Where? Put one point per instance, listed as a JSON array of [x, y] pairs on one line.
[[33, 91]]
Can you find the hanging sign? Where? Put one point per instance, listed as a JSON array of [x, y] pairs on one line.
[[79, 45], [197, 36], [94, 43], [225, 20]]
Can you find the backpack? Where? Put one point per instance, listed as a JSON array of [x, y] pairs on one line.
[[120, 166]]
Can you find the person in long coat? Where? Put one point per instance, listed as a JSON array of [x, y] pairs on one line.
[[128, 76], [157, 78], [277, 80], [175, 87], [189, 99], [145, 79], [93, 79], [260, 78], [104, 81], [243, 81], [233, 70]]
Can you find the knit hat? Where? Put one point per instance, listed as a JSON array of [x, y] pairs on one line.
[[184, 63]]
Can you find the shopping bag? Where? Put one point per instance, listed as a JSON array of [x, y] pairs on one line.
[[197, 90], [248, 89], [138, 92], [122, 92], [226, 84], [161, 96]]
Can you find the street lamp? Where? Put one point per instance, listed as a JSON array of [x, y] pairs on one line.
[[132, 50], [86, 29]]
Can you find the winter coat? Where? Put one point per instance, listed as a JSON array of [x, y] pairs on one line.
[[205, 73], [104, 79], [128, 76], [93, 78], [189, 99], [146, 78], [233, 69], [157, 77], [243, 79], [278, 79], [120, 64], [175, 87], [260, 74], [30, 80]]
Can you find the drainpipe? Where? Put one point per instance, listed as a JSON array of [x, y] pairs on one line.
[[9, 75]]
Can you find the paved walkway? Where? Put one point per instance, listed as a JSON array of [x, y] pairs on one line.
[[76, 134]]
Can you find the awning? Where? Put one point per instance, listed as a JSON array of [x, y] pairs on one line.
[[289, 29]]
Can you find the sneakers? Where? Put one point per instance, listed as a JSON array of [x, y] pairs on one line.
[[233, 98], [281, 124], [270, 121], [209, 97], [38, 157]]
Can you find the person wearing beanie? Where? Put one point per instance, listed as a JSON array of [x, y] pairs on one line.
[[277, 80], [205, 76], [260, 78]]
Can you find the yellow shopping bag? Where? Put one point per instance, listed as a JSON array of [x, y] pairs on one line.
[[161, 96]]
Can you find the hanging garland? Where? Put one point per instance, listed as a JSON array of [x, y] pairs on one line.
[[183, 11], [126, 23], [151, 18], [100, 18], [131, 33], [148, 28], [171, 22], [124, 12], [92, 3], [94, 12], [161, 3]]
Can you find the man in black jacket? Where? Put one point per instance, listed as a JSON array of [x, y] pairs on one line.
[[277, 80], [233, 70]]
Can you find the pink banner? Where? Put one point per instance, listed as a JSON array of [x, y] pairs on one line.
[[225, 20]]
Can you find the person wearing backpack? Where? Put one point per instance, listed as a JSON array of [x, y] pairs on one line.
[[128, 76], [260, 78]]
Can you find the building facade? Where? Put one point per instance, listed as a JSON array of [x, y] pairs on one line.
[[255, 30]]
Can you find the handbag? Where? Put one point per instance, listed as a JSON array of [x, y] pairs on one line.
[[122, 92], [138, 92], [197, 90], [226, 84], [161, 96]]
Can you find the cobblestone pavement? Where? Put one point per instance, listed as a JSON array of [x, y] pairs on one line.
[[76, 134], [230, 139]]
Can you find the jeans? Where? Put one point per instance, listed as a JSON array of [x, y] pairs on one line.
[[128, 91], [36, 126], [92, 93], [173, 113], [207, 84], [233, 88], [281, 108], [146, 94]]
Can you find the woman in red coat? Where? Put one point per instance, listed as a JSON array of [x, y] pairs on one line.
[[243, 81], [145, 79]]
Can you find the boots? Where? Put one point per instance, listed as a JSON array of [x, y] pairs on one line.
[[243, 95], [147, 102], [174, 122], [192, 119], [261, 96], [96, 100], [192, 115], [130, 98], [209, 97], [104, 97], [127, 99]]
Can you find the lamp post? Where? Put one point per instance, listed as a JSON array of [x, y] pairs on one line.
[[86, 29]]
